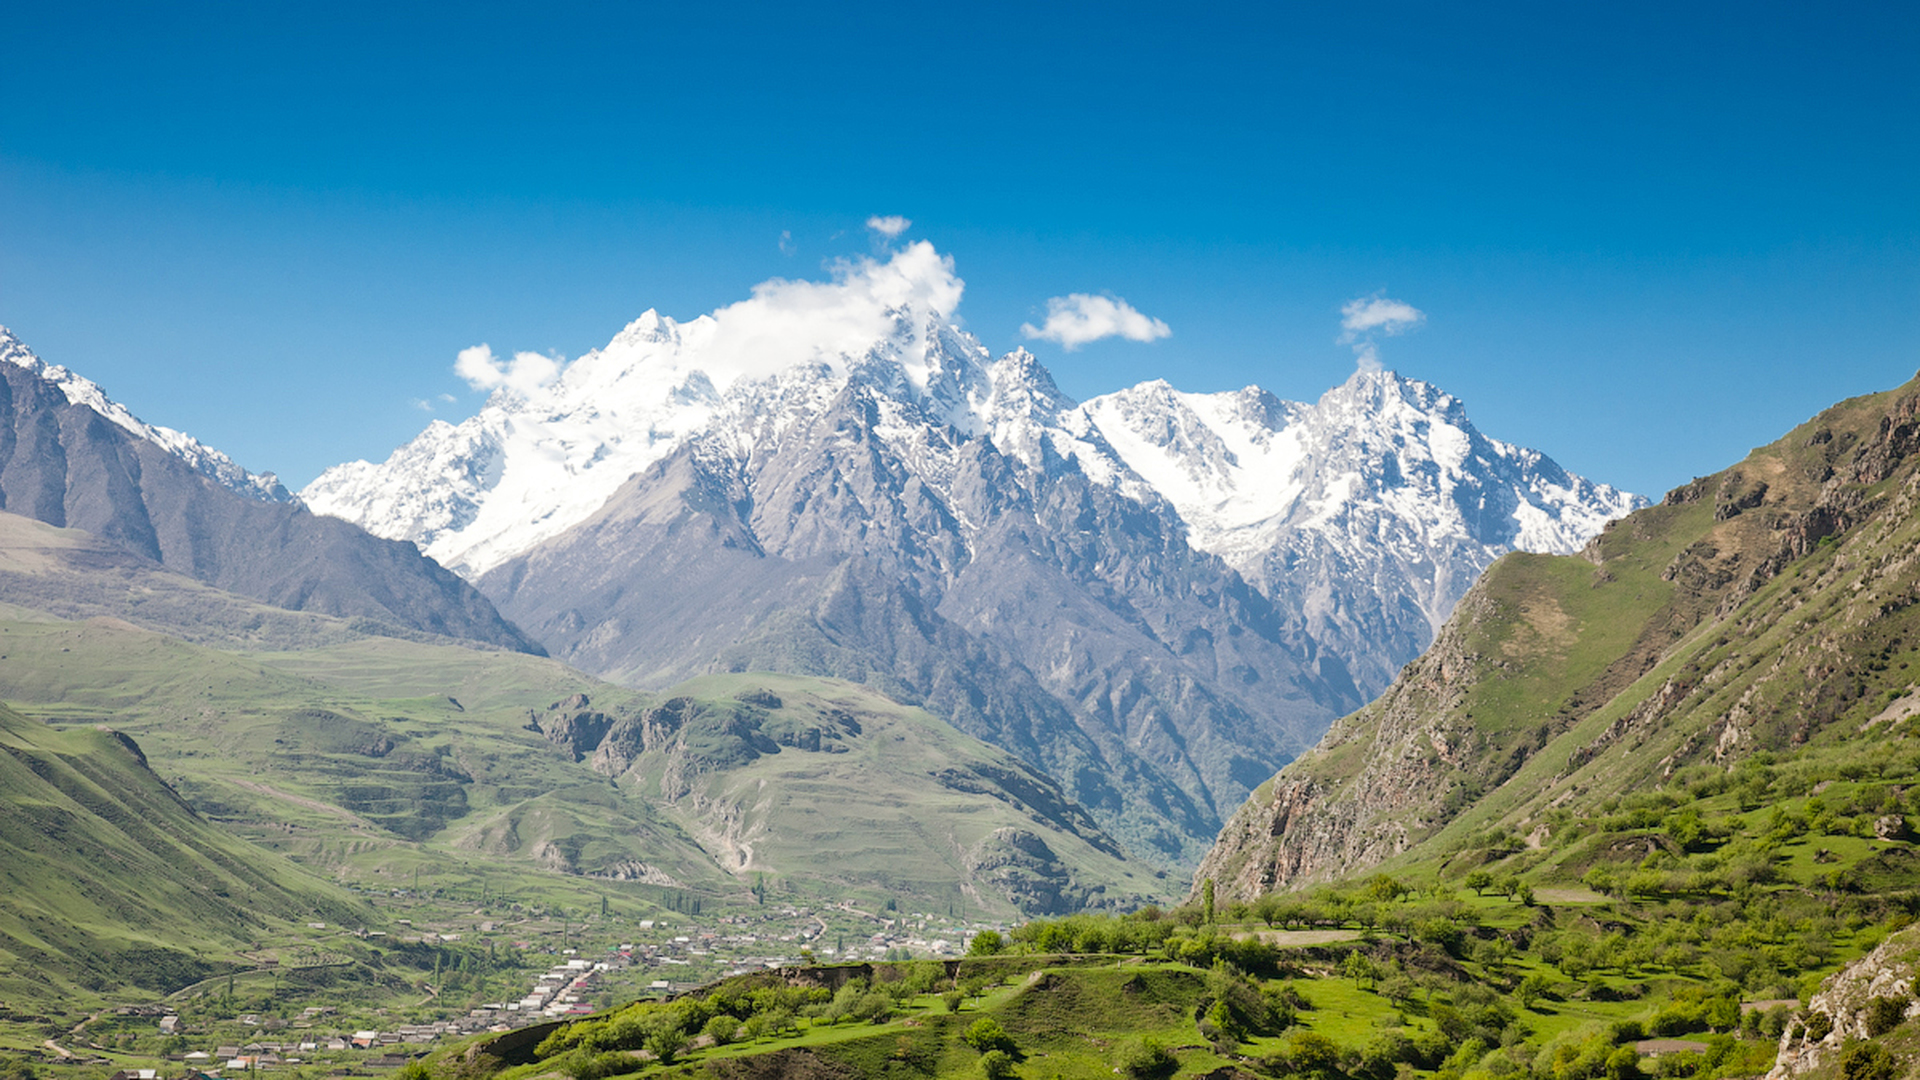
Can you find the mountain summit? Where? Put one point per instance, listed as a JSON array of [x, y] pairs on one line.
[[1157, 597], [1365, 515]]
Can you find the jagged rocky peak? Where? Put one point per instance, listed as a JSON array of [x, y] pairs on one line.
[[545, 453], [204, 460]]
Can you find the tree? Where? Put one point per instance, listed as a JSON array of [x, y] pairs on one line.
[[987, 943], [997, 1064], [1479, 881], [986, 1034], [1206, 900], [1623, 1064]]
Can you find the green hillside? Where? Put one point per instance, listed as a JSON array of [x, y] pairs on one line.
[[384, 762], [1760, 620], [113, 884]]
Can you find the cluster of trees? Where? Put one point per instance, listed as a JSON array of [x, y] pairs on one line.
[[734, 1012]]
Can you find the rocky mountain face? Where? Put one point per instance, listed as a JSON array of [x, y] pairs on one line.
[[1156, 597], [1365, 515], [1841, 1012], [1753, 610], [72, 458]]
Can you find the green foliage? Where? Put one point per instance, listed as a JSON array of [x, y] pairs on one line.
[[986, 943], [1883, 1014], [1867, 1061], [1145, 1058], [997, 1065], [986, 1034]]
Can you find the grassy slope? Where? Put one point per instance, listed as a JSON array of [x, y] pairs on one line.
[[375, 759], [1710, 628], [111, 880]]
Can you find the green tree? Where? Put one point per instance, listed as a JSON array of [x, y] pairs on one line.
[[1206, 901], [1479, 881], [987, 943], [986, 1034], [997, 1065]]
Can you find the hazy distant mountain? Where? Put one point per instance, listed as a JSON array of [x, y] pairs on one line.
[[1158, 597], [71, 457]]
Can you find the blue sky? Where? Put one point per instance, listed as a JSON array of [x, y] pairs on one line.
[[1644, 239]]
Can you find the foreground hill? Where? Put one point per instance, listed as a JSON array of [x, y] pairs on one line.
[[111, 881], [1764, 613]]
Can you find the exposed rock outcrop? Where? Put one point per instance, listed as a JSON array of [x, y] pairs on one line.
[[1839, 1013]]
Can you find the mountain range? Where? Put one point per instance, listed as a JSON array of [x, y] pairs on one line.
[[1157, 597]]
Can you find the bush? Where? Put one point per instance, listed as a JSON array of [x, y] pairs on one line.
[[1146, 1059], [1312, 1052], [1866, 1061], [721, 1029], [1884, 1014], [987, 943], [1623, 1064], [986, 1034], [996, 1064]]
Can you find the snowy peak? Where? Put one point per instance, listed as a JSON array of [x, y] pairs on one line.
[[1366, 514], [544, 456], [204, 460], [1246, 470]]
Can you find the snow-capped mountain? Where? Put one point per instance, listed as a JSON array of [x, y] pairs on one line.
[[1367, 515], [535, 462], [203, 459], [1158, 597]]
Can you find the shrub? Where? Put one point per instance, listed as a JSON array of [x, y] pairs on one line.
[[986, 1034], [987, 943], [1312, 1052], [1884, 1014], [721, 1029], [996, 1064], [1146, 1059], [1866, 1061]]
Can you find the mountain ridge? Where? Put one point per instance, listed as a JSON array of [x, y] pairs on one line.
[[71, 457], [1760, 609]]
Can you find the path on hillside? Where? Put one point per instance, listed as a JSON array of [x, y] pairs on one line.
[[343, 814]]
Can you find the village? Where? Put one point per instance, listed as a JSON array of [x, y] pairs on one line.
[[564, 969]]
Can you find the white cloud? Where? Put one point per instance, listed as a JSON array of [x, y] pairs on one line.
[[792, 322], [1370, 313], [786, 241], [1078, 318], [1362, 318], [890, 226], [526, 374]]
